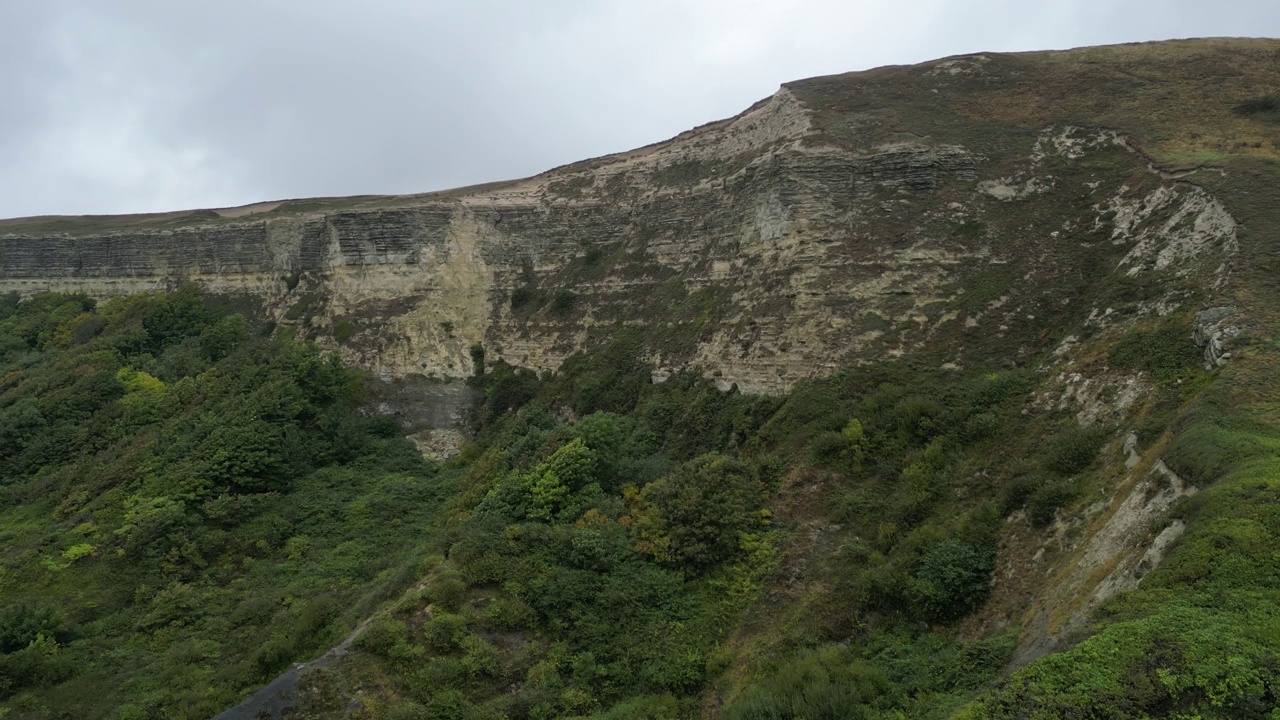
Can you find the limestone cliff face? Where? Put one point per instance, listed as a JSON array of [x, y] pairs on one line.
[[954, 211]]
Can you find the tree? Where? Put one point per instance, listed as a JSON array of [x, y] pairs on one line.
[[553, 482], [698, 516]]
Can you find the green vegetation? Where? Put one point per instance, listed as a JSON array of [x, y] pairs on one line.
[[1201, 636], [186, 507], [1164, 351], [1265, 108], [190, 507], [604, 565], [563, 302], [193, 507], [344, 329]]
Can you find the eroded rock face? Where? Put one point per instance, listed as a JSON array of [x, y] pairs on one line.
[[824, 226], [1213, 328]]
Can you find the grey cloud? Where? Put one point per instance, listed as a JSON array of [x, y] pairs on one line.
[[139, 105]]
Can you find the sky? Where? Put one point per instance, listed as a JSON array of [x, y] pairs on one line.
[[117, 106]]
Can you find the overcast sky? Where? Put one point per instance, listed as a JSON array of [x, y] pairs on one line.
[[113, 106]]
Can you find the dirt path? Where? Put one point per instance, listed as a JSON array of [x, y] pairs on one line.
[[282, 693]]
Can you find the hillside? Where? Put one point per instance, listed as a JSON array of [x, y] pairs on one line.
[[928, 391]]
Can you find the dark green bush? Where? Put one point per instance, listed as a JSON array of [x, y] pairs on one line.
[[383, 634], [445, 631], [1166, 352], [1205, 451], [980, 426], [1017, 492], [521, 297], [343, 330], [21, 624], [953, 579], [447, 590], [828, 447], [823, 684], [1043, 504], [1073, 450], [1266, 107], [563, 302], [696, 516]]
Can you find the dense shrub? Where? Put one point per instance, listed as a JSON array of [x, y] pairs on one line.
[[521, 297], [1165, 351], [953, 578], [563, 302], [203, 505], [1073, 450], [824, 684], [697, 517], [1044, 502]]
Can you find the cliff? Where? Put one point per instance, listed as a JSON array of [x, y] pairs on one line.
[[956, 208], [1086, 238]]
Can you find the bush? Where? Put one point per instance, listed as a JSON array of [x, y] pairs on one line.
[[447, 590], [1043, 504], [953, 579], [1166, 352], [563, 302], [507, 613], [21, 624], [445, 632], [382, 635], [521, 297], [1205, 451], [436, 674], [1017, 492], [343, 330], [480, 658], [1266, 107], [1073, 450], [696, 517], [828, 448], [980, 426], [822, 684]]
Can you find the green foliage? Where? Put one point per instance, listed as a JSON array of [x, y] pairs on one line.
[[343, 330], [1209, 447], [445, 631], [969, 230], [521, 296], [1073, 450], [1199, 638], [699, 516], [553, 483], [829, 447], [447, 590], [200, 505], [953, 577], [205, 506], [646, 707], [382, 635], [563, 302], [824, 684], [23, 623], [1043, 503], [1265, 108], [1165, 351], [845, 449]]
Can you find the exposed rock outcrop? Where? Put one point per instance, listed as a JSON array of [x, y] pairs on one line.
[[843, 220]]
